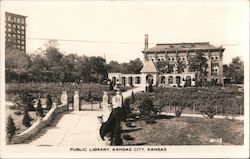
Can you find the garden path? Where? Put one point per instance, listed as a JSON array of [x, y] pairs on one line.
[[77, 128]]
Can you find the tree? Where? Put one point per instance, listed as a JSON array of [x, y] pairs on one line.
[[146, 107], [135, 66], [26, 119], [180, 65], [17, 61], [39, 109], [11, 128], [198, 64], [150, 87], [132, 97], [235, 70], [48, 102], [98, 68], [25, 101], [126, 108]]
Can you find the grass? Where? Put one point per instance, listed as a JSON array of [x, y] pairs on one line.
[[18, 119], [185, 131]]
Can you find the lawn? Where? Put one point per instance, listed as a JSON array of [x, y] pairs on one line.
[[18, 118], [185, 131]]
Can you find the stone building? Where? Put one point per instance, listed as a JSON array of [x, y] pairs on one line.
[[15, 31], [170, 52]]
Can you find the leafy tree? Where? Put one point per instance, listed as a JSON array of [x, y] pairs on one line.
[[48, 102], [17, 61], [39, 109], [25, 101], [11, 128], [180, 65], [235, 70], [98, 67], [26, 119], [199, 65], [135, 66]]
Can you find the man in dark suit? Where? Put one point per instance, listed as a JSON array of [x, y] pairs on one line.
[[112, 128]]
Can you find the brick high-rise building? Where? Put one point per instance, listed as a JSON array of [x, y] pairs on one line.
[[15, 31]]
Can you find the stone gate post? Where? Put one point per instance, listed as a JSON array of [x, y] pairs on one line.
[[65, 99], [106, 106], [76, 101]]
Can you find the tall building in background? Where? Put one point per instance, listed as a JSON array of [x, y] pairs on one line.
[[15, 31]]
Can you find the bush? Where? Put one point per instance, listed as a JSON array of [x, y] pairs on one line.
[[11, 128], [19, 112], [24, 101], [132, 100], [48, 102], [150, 87], [178, 112], [26, 119], [39, 109], [146, 107], [127, 137], [126, 108]]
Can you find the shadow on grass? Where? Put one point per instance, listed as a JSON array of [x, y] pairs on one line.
[[135, 144], [164, 117], [130, 130]]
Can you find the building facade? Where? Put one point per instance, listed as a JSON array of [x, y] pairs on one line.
[[15, 31], [171, 53]]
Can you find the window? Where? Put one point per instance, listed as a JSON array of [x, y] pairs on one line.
[[22, 21], [18, 20], [22, 27], [9, 18]]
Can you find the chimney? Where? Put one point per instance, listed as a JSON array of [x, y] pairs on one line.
[[146, 42]]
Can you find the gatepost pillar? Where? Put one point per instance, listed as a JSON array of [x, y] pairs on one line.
[[76, 101]]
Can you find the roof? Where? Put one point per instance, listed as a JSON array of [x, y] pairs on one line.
[[173, 47], [149, 67]]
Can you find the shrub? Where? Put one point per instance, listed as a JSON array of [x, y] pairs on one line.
[[24, 101], [127, 137], [178, 112], [146, 107], [39, 109], [132, 100], [48, 102], [26, 119], [11, 128], [150, 87], [126, 108], [19, 112]]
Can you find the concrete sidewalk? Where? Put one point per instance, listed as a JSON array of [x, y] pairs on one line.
[[71, 129]]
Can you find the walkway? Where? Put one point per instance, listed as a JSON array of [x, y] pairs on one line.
[[71, 129], [77, 128]]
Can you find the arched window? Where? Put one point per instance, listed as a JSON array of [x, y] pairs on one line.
[[170, 80], [162, 79], [138, 80]]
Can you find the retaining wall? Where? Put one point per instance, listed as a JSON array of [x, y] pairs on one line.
[[39, 124]]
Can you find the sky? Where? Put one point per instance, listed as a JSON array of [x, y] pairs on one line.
[[116, 29]]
